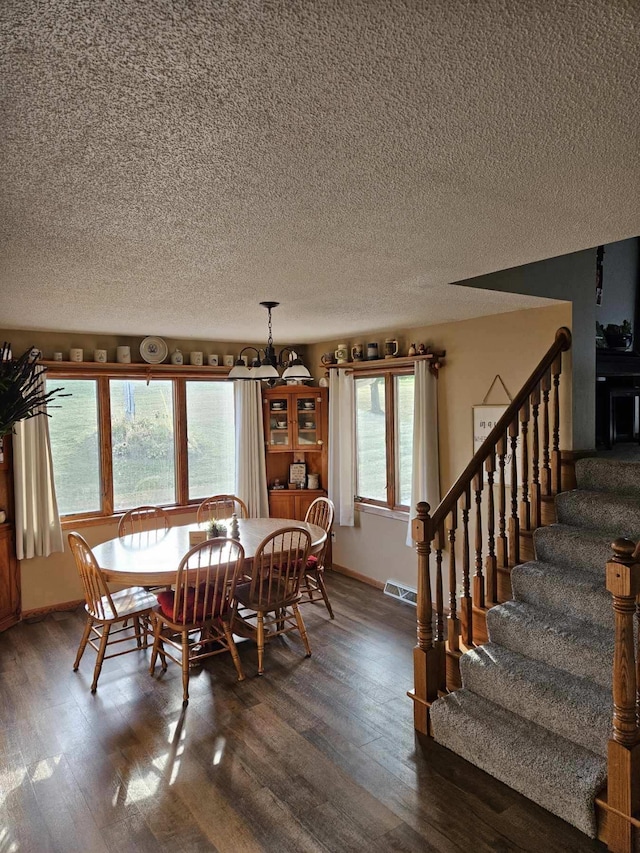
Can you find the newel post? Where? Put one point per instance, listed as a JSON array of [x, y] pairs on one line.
[[623, 770], [425, 655]]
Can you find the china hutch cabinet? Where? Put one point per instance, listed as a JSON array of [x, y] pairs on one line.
[[295, 432], [9, 566]]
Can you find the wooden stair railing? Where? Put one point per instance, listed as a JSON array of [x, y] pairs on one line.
[[619, 808], [466, 518]]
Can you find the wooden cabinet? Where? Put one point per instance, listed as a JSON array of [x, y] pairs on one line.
[[295, 430], [10, 603], [295, 421], [287, 503]]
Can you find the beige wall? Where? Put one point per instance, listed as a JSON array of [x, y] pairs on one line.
[[509, 344]]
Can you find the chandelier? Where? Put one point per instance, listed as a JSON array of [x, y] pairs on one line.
[[266, 364]]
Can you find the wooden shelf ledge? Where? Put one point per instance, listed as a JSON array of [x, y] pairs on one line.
[[393, 363], [135, 370]]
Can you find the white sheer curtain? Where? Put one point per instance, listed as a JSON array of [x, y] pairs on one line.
[[425, 471], [342, 478], [38, 530], [251, 476]]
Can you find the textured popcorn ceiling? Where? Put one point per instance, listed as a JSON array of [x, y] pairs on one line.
[[167, 165]]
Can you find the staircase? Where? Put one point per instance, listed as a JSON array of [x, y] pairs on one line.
[[535, 707]]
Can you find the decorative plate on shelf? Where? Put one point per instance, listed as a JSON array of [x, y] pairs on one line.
[[153, 350]]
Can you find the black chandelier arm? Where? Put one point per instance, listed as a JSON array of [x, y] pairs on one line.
[[257, 356], [292, 354]]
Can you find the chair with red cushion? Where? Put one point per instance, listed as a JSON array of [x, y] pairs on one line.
[[321, 513], [105, 609], [278, 567], [192, 620]]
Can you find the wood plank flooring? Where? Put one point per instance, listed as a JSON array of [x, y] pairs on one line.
[[317, 755]]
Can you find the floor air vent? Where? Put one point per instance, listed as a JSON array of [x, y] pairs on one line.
[[401, 592]]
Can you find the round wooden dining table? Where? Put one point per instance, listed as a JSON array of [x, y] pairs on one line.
[[151, 558]]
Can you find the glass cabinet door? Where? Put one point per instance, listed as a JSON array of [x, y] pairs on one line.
[[307, 422], [278, 434]]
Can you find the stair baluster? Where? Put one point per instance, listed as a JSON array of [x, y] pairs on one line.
[[503, 551], [478, 578], [536, 508], [546, 468], [525, 506], [466, 603], [453, 623], [514, 522], [491, 564], [439, 641], [556, 456]]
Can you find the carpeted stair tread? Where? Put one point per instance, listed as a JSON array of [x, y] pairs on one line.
[[561, 640], [565, 589], [574, 708], [617, 514], [608, 475], [565, 545], [554, 772]]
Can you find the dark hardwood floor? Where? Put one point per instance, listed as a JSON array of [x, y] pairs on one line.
[[317, 755]]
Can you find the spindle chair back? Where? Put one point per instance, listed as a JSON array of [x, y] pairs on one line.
[[105, 609], [321, 513], [221, 506], [278, 566], [144, 522], [192, 621]]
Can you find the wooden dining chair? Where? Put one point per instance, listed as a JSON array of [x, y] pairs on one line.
[[144, 521], [278, 566], [222, 506], [192, 621], [147, 525], [105, 609], [313, 588]]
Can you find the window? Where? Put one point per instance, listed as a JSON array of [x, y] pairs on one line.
[[211, 439], [75, 446], [384, 439], [142, 443], [118, 442]]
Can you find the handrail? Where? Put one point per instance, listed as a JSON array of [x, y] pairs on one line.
[[483, 537], [561, 343]]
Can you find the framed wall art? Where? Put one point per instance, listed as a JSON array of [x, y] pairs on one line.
[[298, 474], [485, 417]]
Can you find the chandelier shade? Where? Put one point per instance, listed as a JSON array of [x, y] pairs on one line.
[[267, 367]]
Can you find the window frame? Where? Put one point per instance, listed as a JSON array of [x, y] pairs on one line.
[[390, 505], [102, 374]]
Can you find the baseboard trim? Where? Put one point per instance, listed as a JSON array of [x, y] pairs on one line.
[[41, 612], [342, 570]]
